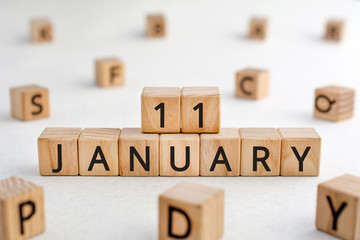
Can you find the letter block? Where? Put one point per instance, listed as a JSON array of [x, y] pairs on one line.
[[98, 151], [191, 211], [220, 153], [29, 102], [58, 151], [160, 110], [252, 83], [338, 207], [22, 213], [200, 109], [260, 152], [300, 152], [138, 153], [156, 26], [41, 30], [334, 30], [258, 28], [109, 72], [334, 103], [179, 154]]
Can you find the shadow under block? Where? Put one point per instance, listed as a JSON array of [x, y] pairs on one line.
[[58, 151], [22, 213], [338, 207], [334, 30], [29, 102], [191, 211], [156, 26], [109, 72], [41, 30], [260, 151], [200, 110], [138, 153], [98, 151], [220, 153], [179, 154], [334, 103], [252, 83], [160, 110], [300, 152], [258, 28]]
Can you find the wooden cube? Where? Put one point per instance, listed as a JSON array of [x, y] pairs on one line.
[[109, 72], [252, 83], [29, 102], [58, 151], [334, 103], [191, 211], [258, 28], [138, 153], [22, 213], [338, 207], [179, 154], [160, 110], [41, 30], [300, 152], [200, 110], [220, 153], [334, 30], [260, 152], [98, 151], [156, 26]]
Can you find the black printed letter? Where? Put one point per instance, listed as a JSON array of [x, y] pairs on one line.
[[335, 213], [25, 218], [217, 161], [145, 165], [172, 159], [262, 160], [302, 158], [59, 153], [102, 160], [170, 230], [36, 104]]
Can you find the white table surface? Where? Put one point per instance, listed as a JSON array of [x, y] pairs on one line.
[[206, 45]]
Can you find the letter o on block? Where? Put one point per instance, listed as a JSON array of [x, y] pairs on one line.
[[191, 211]]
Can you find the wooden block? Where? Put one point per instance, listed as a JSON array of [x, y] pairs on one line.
[[191, 211], [300, 152], [98, 151], [29, 102], [22, 213], [258, 28], [252, 83], [109, 72], [160, 110], [58, 151], [41, 30], [334, 30], [179, 154], [156, 26], [138, 153], [260, 152], [338, 207], [334, 103], [200, 109], [220, 153]]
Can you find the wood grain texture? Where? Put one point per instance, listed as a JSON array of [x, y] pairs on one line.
[[268, 138], [151, 98], [140, 142], [14, 194], [29, 102], [220, 147], [186, 149], [93, 142], [209, 97], [334, 103], [335, 30], [109, 72], [258, 28], [340, 190], [203, 205], [156, 26], [303, 143], [41, 30], [252, 83], [48, 149]]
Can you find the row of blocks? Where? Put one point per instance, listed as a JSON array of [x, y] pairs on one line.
[[129, 152], [186, 211]]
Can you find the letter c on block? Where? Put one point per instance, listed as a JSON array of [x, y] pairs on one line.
[[242, 87]]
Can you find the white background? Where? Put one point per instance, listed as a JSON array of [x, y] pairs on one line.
[[206, 45]]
